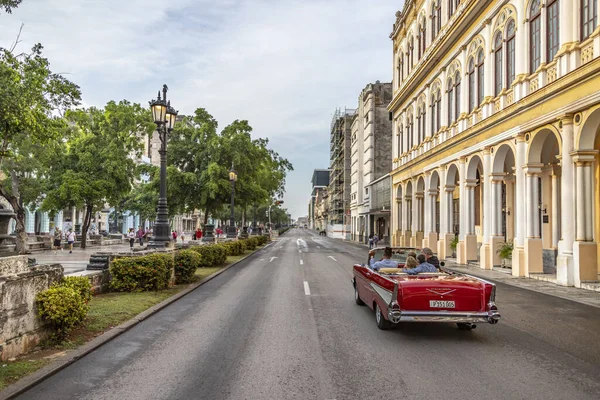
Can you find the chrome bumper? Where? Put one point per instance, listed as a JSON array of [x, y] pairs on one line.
[[396, 316]]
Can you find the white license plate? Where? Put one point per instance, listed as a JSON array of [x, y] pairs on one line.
[[441, 304]]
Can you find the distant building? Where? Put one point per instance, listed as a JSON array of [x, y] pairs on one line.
[[371, 153], [339, 180], [320, 181]]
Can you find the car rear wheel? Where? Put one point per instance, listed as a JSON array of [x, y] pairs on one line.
[[465, 326], [382, 323], [357, 297]]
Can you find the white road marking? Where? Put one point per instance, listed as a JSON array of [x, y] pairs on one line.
[[300, 251], [272, 258], [333, 258], [318, 247], [306, 289], [301, 262]]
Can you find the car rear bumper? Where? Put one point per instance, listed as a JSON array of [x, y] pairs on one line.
[[396, 316]]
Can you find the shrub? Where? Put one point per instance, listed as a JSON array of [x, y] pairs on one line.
[[251, 243], [211, 255], [505, 250], [262, 240], [62, 307], [81, 285], [454, 243], [186, 263], [137, 274]]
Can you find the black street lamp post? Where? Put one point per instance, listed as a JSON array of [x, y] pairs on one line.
[[164, 117], [232, 178]]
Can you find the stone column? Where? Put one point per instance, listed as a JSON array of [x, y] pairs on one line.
[[585, 249], [521, 54], [509, 181], [45, 224], [496, 238], [569, 22], [442, 244], [533, 242], [565, 262], [470, 237], [29, 221], [407, 209], [518, 261], [399, 240], [58, 220], [461, 251], [555, 207], [428, 211], [449, 233], [432, 236], [486, 246]]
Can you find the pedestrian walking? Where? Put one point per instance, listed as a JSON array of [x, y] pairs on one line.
[[182, 235], [131, 237], [71, 240], [375, 240], [57, 239], [140, 235], [174, 235], [370, 241], [198, 234]]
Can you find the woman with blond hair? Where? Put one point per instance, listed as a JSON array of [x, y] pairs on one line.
[[411, 260]]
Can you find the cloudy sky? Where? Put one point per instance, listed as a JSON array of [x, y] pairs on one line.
[[284, 65]]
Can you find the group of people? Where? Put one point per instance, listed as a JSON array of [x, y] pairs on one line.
[[58, 236], [425, 261], [140, 235]]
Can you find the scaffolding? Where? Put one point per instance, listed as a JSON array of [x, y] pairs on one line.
[[339, 184]]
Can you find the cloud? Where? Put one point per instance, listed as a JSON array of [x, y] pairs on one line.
[[284, 65]]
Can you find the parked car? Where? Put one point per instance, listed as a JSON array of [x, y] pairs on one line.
[[442, 296]]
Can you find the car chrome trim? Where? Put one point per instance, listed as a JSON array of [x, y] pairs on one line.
[[385, 294], [449, 316]]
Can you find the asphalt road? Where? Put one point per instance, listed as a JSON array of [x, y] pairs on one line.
[[255, 333]]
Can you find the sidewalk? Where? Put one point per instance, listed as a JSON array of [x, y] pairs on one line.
[[589, 297]]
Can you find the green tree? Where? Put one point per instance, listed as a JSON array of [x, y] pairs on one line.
[[98, 166], [31, 96], [8, 5]]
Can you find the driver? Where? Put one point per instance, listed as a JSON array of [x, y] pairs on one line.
[[385, 262]]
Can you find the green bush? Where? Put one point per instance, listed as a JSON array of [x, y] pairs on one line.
[[212, 255], [186, 263], [262, 240], [138, 274], [62, 307], [80, 284], [251, 243]]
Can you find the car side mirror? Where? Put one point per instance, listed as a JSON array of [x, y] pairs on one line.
[[442, 264]]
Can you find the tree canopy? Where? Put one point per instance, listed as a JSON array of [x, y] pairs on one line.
[[8, 5], [32, 100], [98, 165]]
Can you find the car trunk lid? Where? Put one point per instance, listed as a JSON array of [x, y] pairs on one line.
[[451, 293]]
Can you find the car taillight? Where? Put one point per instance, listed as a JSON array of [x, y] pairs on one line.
[[492, 307]]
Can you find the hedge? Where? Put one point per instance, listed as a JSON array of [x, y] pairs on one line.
[[211, 255], [62, 307], [137, 274], [186, 263], [251, 243], [80, 284]]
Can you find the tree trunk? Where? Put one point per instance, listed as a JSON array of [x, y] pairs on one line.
[[244, 216], [87, 219], [21, 236], [205, 217]]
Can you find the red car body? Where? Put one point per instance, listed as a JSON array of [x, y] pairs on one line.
[[426, 297]]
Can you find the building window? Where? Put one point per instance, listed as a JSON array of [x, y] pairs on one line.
[[471, 73], [535, 17], [423, 123], [400, 69], [400, 141], [452, 7], [498, 63], [589, 17], [450, 102], [553, 27], [409, 133], [457, 95], [418, 127], [411, 52], [418, 44], [424, 35], [436, 19], [480, 77], [510, 53], [438, 111]]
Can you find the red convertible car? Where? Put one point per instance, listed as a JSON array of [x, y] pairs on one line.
[[441, 296]]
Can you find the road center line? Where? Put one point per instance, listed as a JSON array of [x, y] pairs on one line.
[[333, 258], [306, 289], [301, 262]]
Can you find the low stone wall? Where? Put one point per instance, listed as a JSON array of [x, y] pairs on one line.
[[100, 280], [20, 328]]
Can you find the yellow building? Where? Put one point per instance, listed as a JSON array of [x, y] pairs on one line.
[[496, 114]]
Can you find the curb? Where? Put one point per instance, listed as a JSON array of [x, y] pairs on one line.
[[29, 381]]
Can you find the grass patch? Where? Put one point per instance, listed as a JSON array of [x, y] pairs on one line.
[[11, 372], [202, 273]]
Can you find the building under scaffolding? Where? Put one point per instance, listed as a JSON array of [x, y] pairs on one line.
[[340, 162]]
